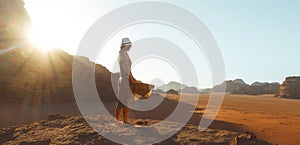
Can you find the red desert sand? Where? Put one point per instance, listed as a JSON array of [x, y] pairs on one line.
[[275, 120]]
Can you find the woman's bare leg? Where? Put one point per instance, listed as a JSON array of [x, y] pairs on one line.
[[125, 114], [118, 113]]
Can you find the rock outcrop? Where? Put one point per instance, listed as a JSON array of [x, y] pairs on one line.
[[158, 91], [247, 138], [31, 76], [290, 88], [34, 77], [205, 90], [189, 90], [171, 91], [172, 85], [257, 88], [230, 85], [34, 83], [14, 23]]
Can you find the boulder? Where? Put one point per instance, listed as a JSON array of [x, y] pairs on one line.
[[247, 138], [6, 134]]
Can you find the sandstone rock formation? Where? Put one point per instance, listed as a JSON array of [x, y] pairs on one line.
[[34, 77], [34, 83], [158, 91], [172, 85], [171, 91], [14, 19], [247, 138], [205, 90], [290, 88], [230, 85], [14, 23], [189, 90], [238, 86], [31, 76], [257, 88]]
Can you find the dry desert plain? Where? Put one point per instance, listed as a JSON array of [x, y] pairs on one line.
[[276, 120]]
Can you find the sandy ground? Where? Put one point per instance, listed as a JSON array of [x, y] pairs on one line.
[[276, 120]]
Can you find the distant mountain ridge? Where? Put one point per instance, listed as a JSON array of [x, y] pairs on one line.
[[238, 86], [172, 85]]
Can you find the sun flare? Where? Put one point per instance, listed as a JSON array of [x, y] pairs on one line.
[[41, 38]]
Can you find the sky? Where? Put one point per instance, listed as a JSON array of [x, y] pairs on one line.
[[259, 40]]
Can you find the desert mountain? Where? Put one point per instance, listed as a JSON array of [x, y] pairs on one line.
[[31, 76], [172, 85], [238, 86]]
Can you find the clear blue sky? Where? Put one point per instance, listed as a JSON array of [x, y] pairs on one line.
[[259, 39]]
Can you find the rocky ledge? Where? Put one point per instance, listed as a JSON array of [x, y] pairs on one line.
[[58, 129]]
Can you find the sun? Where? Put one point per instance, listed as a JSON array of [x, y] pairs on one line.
[[41, 38]]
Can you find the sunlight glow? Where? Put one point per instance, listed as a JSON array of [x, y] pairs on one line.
[[62, 23], [41, 38]]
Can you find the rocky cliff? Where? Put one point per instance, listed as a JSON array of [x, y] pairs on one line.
[[14, 23], [290, 88], [31, 76], [34, 83], [34, 77]]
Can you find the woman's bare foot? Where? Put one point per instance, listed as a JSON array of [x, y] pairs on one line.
[[127, 122], [119, 122]]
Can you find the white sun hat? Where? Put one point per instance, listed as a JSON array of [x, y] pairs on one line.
[[126, 41]]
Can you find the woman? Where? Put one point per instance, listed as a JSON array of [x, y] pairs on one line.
[[125, 93]]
